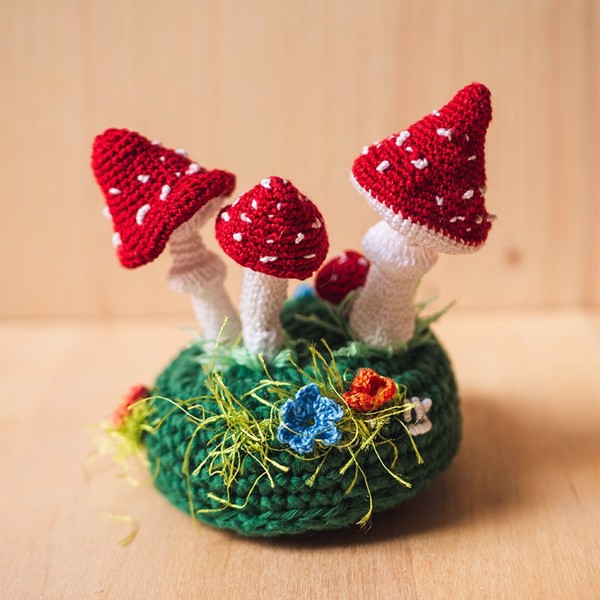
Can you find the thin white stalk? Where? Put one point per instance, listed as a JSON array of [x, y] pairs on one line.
[[211, 307], [383, 313], [261, 303], [201, 273]]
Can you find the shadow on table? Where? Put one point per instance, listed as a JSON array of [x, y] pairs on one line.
[[501, 454]]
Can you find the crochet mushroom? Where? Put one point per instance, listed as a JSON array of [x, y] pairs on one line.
[[428, 185], [157, 196], [341, 275], [275, 233]]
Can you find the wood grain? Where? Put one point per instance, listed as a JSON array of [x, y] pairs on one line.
[[516, 516], [295, 88]]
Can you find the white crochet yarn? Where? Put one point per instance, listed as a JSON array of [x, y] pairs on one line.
[[383, 312], [212, 306], [201, 273], [262, 299], [194, 265]]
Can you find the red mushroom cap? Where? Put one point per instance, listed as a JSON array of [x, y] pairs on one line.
[[275, 230], [428, 182], [150, 191], [341, 275]]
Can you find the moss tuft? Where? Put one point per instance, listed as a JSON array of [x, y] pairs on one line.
[[212, 441]]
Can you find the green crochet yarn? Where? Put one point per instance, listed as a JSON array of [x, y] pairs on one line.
[[292, 506]]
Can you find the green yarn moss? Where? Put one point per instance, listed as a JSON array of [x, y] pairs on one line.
[[291, 506]]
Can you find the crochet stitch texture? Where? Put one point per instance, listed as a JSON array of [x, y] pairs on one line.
[[341, 275], [309, 418], [428, 181], [313, 413], [274, 229], [150, 191], [369, 391], [292, 506]]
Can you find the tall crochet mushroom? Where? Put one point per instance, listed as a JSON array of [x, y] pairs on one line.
[[428, 185], [157, 196], [276, 234]]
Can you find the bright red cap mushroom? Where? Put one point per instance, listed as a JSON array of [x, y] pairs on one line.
[[275, 230], [150, 191], [428, 182], [341, 275]]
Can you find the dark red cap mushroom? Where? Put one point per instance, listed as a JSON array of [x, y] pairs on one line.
[[428, 182], [275, 230], [150, 191], [341, 275]]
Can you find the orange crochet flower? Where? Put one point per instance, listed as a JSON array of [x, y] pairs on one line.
[[369, 391], [136, 392]]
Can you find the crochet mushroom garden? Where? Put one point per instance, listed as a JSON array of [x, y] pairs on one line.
[[315, 411]]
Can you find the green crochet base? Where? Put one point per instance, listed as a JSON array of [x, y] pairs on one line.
[[292, 506]]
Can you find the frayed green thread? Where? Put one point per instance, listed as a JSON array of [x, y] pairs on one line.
[[241, 436], [124, 442], [235, 430]]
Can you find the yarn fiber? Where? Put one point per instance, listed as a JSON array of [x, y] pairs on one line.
[[292, 506], [341, 275], [395, 272], [150, 191], [274, 229], [428, 181]]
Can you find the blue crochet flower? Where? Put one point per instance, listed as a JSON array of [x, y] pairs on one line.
[[309, 418]]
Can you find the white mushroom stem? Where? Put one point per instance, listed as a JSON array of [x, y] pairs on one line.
[[383, 313], [201, 273], [260, 307]]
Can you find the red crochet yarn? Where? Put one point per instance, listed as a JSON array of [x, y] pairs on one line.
[[428, 182], [369, 391], [342, 274], [150, 191], [275, 230]]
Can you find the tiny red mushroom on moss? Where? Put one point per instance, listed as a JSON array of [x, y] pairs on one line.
[[432, 190], [341, 275]]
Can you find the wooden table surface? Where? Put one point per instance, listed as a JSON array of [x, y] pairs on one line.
[[516, 516]]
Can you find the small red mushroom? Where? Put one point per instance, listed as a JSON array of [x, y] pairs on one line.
[[275, 233], [428, 185], [157, 196], [341, 275]]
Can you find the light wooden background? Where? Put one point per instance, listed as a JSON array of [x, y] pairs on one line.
[[295, 88], [514, 518]]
